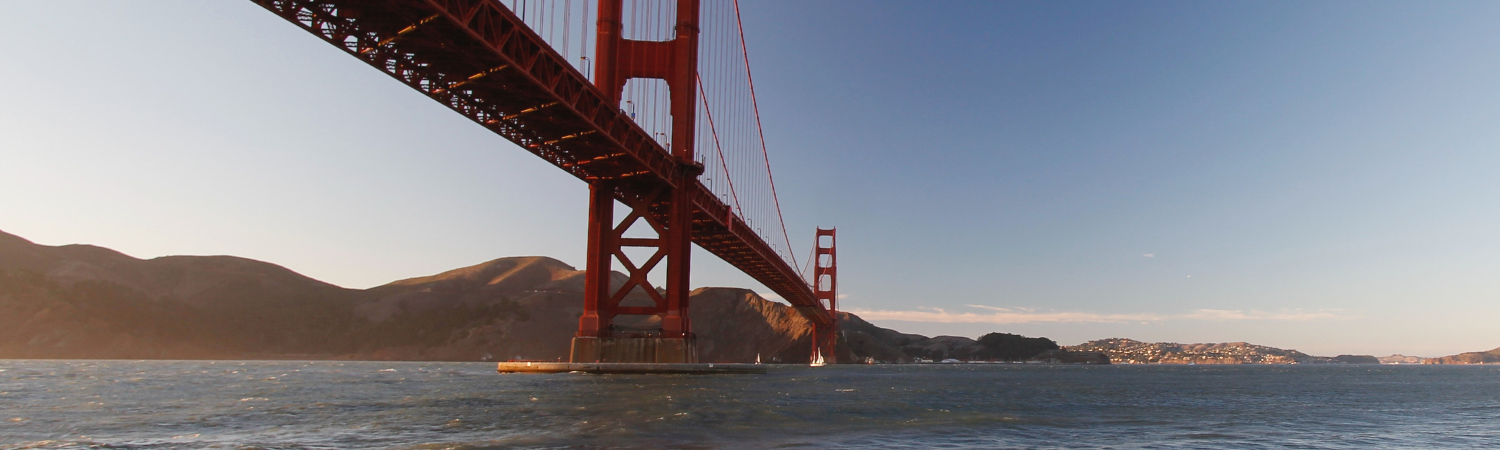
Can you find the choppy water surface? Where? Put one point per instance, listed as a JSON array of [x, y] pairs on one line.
[[261, 404]]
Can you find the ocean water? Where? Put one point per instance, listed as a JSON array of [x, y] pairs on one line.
[[356, 405]]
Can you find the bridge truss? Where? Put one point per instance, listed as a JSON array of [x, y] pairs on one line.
[[480, 59]]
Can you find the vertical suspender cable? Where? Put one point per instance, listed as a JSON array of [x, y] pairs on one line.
[[715, 132], [739, 25]]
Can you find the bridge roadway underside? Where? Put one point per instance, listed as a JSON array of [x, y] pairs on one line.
[[479, 59]]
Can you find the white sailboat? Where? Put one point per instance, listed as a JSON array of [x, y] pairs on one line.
[[757, 358], [818, 359]]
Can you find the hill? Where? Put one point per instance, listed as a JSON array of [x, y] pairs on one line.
[[1489, 357], [1128, 351], [82, 301]]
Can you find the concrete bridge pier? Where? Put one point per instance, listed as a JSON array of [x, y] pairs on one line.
[[652, 349]]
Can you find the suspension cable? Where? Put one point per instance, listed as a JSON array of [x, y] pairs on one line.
[[745, 51]]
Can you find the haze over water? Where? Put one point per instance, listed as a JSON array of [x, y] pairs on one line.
[[326, 404]]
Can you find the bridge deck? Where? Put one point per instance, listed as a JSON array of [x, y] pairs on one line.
[[479, 59]]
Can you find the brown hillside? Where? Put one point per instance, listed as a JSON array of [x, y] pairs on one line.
[[81, 301], [1489, 357]]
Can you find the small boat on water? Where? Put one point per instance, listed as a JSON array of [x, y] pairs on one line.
[[818, 360]]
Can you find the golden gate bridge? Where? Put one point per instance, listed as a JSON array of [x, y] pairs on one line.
[[651, 102]]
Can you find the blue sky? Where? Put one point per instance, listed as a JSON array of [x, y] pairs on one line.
[[1310, 175]]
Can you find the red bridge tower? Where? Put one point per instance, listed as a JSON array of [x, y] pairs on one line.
[[478, 58], [676, 62], [826, 290]]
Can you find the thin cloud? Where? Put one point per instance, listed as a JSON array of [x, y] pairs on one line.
[[773, 296], [1149, 255], [999, 315], [1003, 316], [1285, 315]]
